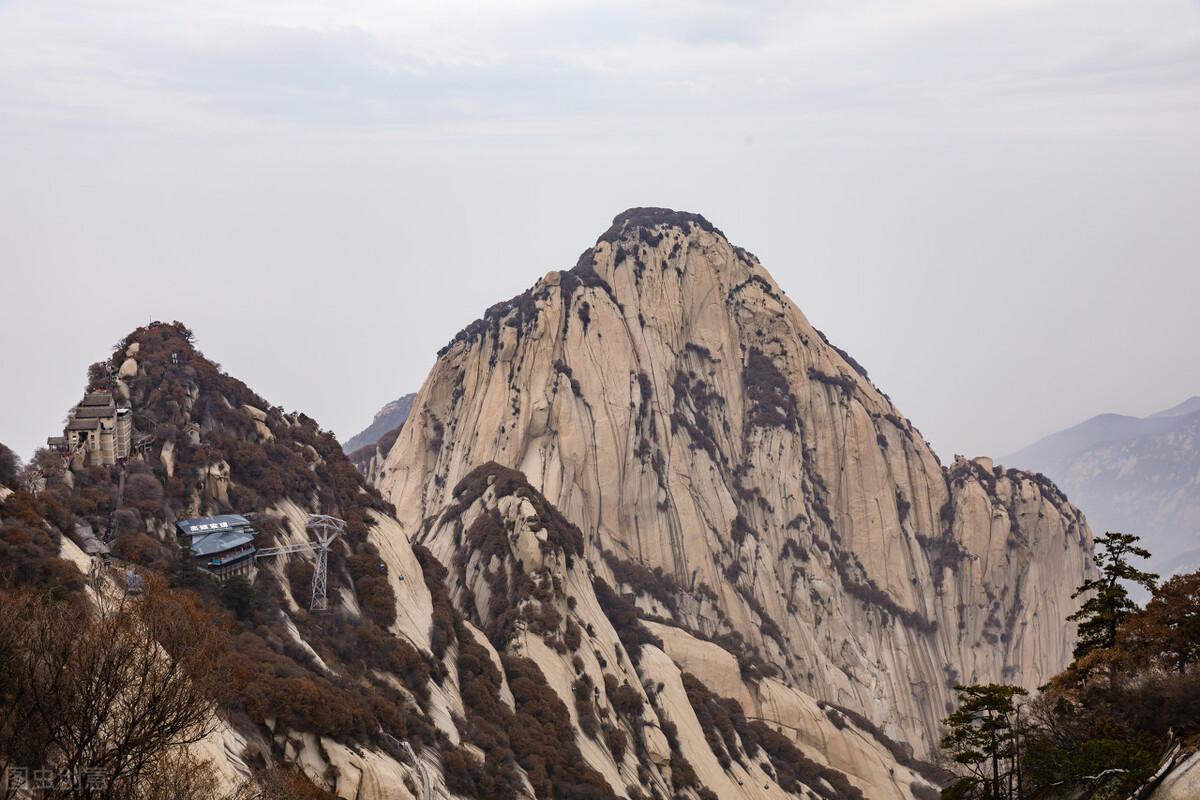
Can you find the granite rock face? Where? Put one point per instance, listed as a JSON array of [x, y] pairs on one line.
[[366, 450], [516, 574], [747, 482]]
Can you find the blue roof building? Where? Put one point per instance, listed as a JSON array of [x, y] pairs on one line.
[[224, 545]]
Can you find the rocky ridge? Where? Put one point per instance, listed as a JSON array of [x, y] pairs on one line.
[[745, 481]]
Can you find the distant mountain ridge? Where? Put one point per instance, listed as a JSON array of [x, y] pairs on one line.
[[1135, 474], [1189, 406], [387, 419]]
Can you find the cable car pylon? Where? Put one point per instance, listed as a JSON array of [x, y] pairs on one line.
[[326, 529]]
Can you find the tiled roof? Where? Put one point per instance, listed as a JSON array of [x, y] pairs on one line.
[[93, 412], [212, 535], [97, 399], [220, 541]]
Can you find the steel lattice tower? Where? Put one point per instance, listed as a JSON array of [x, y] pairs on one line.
[[327, 529]]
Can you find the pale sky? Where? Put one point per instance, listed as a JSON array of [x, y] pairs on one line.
[[991, 204]]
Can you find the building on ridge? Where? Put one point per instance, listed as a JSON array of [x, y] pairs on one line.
[[98, 432]]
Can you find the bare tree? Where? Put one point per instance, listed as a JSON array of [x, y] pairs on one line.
[[106, 703]]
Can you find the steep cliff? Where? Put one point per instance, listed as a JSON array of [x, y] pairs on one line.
[[648, 710], [746, 480], [368, 460]]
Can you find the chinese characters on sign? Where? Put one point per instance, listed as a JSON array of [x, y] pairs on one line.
[[42, 778]]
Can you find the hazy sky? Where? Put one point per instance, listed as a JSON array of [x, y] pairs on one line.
[[993, 205]]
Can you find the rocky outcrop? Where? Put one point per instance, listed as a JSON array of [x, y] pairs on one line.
[[1181, 781], [368, 449], [644, 699], [369, 459], [746, 481]]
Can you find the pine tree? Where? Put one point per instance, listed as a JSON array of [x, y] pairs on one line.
[[1109, 606], [984, 737]]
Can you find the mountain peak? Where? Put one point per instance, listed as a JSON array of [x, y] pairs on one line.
[[675, 405], [650, 216], [664, 251]]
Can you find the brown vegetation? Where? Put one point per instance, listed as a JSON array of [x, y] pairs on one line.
[[693, 397], [623, 615], [111, 695], [29, 545], [771, 402]]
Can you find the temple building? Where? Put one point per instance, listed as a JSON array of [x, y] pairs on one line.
[[97, 433]]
